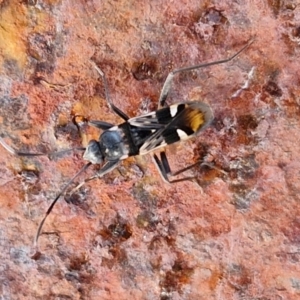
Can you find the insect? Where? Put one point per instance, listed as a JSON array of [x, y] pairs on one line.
[[137, 136]]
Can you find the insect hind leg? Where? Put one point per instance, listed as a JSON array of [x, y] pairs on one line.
[[168, 82], [163, 166]]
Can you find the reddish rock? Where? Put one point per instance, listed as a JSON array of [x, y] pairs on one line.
[[231, 233]]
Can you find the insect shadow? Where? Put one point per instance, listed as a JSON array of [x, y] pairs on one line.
[[137, 136]]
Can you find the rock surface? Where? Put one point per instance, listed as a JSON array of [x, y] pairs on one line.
[[233, 233]]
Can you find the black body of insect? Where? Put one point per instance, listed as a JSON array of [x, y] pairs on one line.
[[139, 135]]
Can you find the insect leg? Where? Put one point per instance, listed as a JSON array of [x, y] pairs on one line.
[[49, 154], [100, 124], [168, 82], [109, 166], [38, 233], [115, 109], [165, 170], [80, 120]]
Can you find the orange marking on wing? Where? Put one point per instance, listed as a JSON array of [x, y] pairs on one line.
[[194, 119]]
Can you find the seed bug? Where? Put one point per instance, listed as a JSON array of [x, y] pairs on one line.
[[137, 136]]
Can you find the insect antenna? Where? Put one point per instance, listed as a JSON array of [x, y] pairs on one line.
[[38, 233], [49, 155], [29, 154]]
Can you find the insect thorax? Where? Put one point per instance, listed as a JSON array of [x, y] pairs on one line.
[[113, 144]]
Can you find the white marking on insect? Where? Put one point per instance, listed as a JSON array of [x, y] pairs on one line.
[[183, 136], [173, 110]]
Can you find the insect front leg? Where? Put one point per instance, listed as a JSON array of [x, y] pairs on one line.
[[108, 167], [100, 124], [80, 120], [165, 170]]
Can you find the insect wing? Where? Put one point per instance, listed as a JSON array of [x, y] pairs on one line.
[[148, 121], [178, 122]]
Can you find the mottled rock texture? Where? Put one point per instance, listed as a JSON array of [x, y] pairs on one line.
[[233, 233]]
